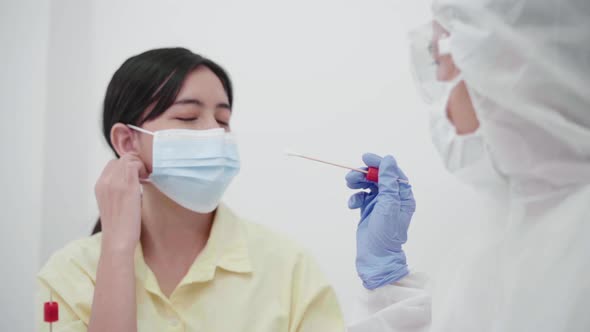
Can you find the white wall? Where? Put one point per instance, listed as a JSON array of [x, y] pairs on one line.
[[328, 78], [23, 43], [70, 128]]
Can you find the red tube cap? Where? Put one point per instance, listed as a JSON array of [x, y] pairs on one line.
[[51, 312], [373, 174]]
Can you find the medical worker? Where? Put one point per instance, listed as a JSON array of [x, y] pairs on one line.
[[509, 82], [170, 256]]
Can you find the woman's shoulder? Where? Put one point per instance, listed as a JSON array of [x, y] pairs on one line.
[[81, 254]]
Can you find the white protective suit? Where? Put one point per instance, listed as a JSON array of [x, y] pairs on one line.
[[527, 68]]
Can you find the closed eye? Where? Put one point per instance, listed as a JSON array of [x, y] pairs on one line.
[[186, 119]]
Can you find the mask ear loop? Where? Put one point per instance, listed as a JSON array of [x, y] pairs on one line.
[[142, 181], [140, 130]]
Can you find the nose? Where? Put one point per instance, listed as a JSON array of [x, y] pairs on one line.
[[207, 120]]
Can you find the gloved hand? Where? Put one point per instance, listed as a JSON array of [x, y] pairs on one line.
[[386, 212]]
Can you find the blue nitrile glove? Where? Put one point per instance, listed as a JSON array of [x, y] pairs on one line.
[[386, 212]]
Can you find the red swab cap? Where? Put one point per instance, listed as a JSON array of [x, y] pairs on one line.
[[51, 312], [373, 174]]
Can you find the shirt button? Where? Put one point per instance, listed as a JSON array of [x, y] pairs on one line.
[[174, 322]]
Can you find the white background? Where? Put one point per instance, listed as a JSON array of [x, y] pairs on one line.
[[327, 78]]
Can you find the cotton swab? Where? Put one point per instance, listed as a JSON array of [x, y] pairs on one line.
[[372, 172], [298, 155]]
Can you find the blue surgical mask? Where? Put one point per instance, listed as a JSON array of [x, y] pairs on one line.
[[193, 167]]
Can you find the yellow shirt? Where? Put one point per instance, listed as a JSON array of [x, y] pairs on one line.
[[245, 279]]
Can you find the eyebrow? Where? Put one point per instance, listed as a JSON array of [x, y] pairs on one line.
[[188, 101]]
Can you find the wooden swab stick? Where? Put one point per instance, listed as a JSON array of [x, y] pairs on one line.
[[299, 155], [294, 154]]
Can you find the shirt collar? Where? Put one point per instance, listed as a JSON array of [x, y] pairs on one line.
[[226, 248]]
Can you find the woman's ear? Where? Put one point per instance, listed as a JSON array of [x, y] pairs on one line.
[[124, 139]]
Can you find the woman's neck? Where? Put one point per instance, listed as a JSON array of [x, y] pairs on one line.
[[170, 232]]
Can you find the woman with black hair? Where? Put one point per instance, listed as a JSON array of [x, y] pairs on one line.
[[167, 256]]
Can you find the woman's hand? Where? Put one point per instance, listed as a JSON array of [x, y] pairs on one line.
[[118, 193]]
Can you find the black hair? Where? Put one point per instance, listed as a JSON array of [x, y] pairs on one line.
[[152, 78]]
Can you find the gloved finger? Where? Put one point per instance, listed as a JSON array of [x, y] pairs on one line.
[[405, 191], [388, 176], [357, 200], [408, 205], [372, 160], [401, 173], [398, 171], [360, 199], [357, 180]]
